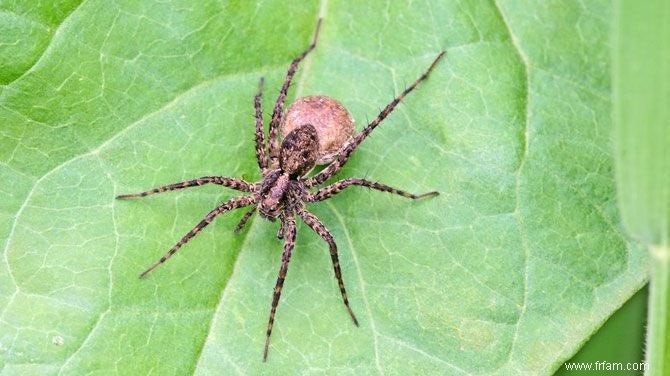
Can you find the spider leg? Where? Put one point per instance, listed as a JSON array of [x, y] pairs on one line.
[[244, 219], [315, 224], [342, 158], [279, 104], [260, 136], [281, 230], [234, 203], [289, 243], [234, 183], [337, 187]]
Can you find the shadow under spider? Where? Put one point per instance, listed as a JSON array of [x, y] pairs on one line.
[[284, 188]]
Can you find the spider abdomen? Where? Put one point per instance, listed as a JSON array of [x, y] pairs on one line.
[[299, 151]]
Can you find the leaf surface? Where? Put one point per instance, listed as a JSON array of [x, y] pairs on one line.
[[508, 271]]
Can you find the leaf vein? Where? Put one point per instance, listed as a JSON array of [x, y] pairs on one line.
[[524, 156]]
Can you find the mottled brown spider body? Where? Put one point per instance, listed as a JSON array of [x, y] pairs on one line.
[[280, 186], [285, 187]]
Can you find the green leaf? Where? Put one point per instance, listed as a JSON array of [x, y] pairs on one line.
[[641, 72], [508, 271]]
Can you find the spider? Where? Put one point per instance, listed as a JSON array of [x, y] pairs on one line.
[[285, 187]]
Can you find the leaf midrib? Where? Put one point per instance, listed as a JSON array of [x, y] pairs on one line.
[[523, 235]]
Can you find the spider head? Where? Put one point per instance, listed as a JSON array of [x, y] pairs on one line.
[[273, 190], [299, 151]]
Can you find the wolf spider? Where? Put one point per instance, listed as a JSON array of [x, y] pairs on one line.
[[284, 188]]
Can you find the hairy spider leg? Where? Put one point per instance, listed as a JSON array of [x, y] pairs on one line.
[[234, 183], [317, 226], [260, 135], [337, 187], [342, 158], [281, 230], [233, 203], [244, 220], [273, 132], [289, 243]]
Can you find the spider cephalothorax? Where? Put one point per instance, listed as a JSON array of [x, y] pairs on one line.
[[282, 185], [285, 187]]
